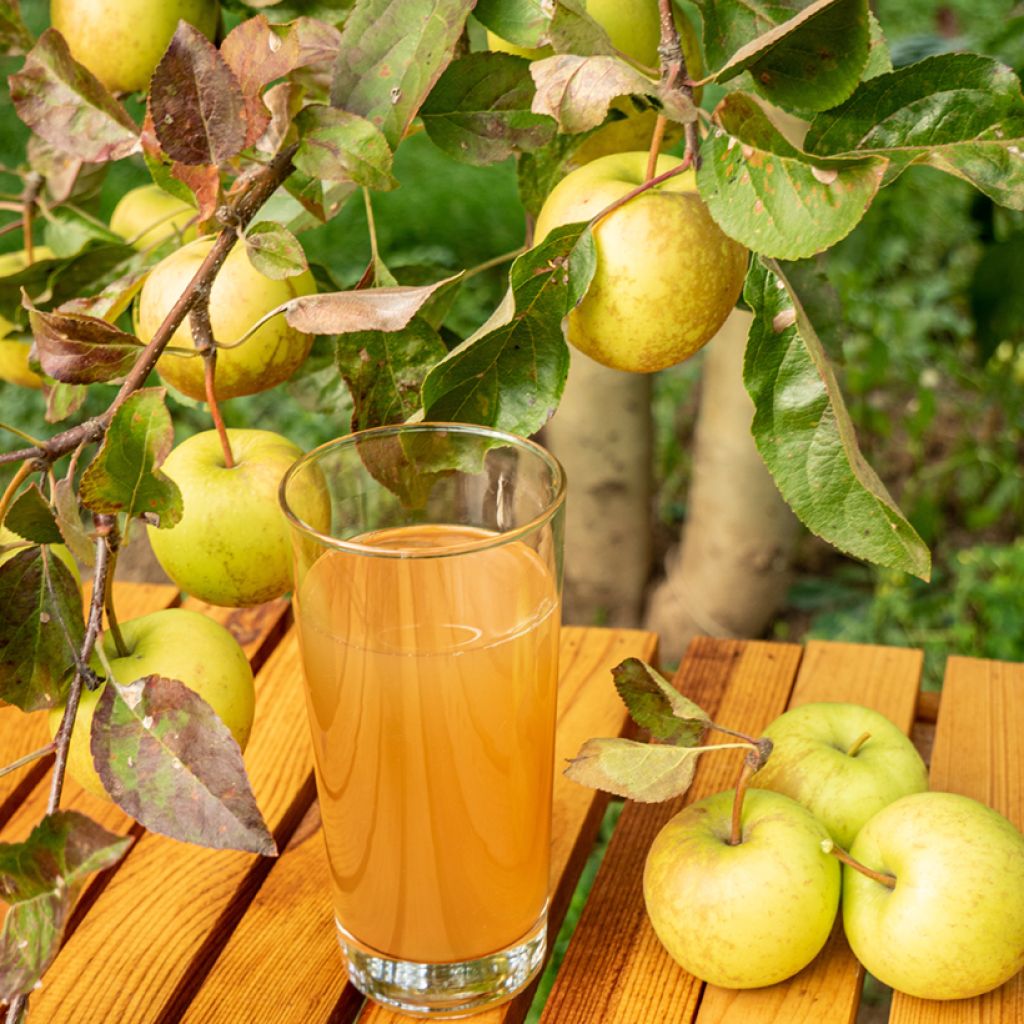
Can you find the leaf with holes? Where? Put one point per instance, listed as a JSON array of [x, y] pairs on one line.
[[811, 61], [125, 475], [68, 106], [773, 198], [40, 880], [31, 517], [645, 772], [392, 52], [657, 706], [479, 111], [805, 436], [577, 91], [338, 146], [370, 309], [196, 101], [511, 373], [274, 251], [166, 759], [79, 349], [384, 371], [959, 112], [42, 623]]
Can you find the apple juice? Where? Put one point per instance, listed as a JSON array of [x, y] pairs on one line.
[[431, 694]]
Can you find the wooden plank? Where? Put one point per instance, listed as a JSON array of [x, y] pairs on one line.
[[162, 919], [615, 970], [977, 754], [883, 678], [20, 734], [308, 985]]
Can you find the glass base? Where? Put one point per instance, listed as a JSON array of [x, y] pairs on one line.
[[446, 989]]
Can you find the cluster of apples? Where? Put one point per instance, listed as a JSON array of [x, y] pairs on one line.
[[932, 890]]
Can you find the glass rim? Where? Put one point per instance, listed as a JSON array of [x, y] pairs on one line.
[[435, 427]]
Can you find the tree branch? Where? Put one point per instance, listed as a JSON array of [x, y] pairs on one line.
[[674, 75], [241, 212]]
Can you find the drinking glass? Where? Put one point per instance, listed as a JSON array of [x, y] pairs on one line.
[[428, 618]]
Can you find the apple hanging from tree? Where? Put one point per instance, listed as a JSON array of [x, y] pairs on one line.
[[232, 545], [843, 762], [121, 41], [667, 276], [950, 924], [178, 644], [239, 297]]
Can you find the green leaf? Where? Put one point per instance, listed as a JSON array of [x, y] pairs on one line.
[[776, 200], [40, 879], [384, 371], [274, 251], [15, 37], [68, 106], [79, 349], [523, 22], [564, 25], [805, 436], [31, 517], [811, 61], [166, 759], [41, 624], [646, 772], [339, 146], [511, 373], [959, 112], [657, 706], [997, 301], [578, 91], [479, 111], [69, 520], [392, 52], [879, 59], [125, 475]]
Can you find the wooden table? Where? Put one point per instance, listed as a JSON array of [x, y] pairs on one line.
[[176, 934]]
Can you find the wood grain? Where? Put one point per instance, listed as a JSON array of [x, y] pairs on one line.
[[159, 924], [615, 970], [293, 910], [828, 989], [20, 734], [977, 753]]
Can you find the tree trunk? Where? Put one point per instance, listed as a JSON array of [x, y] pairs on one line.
[[602, 435], [730, 574]]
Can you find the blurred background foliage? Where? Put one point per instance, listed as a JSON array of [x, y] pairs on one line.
[[921, 307]]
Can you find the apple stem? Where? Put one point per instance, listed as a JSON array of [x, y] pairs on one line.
[[24, 471], [857, 744], [882, 877], [106, 529], [202, 331], [750, 765], [656, 140], [27, 759], [33, 186]]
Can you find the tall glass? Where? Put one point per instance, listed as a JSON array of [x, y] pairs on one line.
[[428, 617]]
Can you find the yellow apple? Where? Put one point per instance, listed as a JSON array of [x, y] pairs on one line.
[[240, 296], [177, 644], [121, 41], [232, 545], [14, 351], [667, 276], [147, 215]]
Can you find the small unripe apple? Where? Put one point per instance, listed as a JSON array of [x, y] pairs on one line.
[[147, 215], [240, 296], [667, 276], [177, 644], [232, 545], [121, 41]]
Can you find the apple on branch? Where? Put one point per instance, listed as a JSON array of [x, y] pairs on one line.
[[667, 276], [232, 545], [844, 762], [177, 644]]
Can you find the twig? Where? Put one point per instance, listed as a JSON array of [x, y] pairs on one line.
[[674, 75], [639, 190], [242, 211], [27, 759], [33, 186], [206, 344], [25, 470]]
